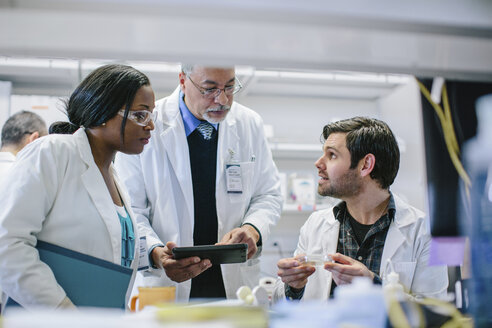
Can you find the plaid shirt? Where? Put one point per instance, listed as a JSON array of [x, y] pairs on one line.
[[371, 250]]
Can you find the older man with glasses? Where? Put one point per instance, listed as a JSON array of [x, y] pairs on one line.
[[184, 192]]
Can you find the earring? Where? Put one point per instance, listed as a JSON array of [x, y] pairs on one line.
[[104, 124]]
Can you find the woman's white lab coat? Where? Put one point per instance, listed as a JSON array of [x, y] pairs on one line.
[[407, 245], [160, 185], [55, 193]]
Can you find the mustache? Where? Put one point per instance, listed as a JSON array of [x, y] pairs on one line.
[[219, 108]]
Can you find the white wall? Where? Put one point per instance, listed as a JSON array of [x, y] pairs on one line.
[[402, 111], [50, 109], [301, 120], [5, 89]]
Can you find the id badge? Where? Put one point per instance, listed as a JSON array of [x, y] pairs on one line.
[[234, 179], [143, 258]]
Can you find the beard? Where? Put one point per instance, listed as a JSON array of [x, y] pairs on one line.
[[220, 108], [348, 185]]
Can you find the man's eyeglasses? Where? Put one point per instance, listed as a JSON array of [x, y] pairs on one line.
[[140, 117], [212, 93]]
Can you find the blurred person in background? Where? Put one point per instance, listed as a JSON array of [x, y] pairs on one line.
[[18, 131]]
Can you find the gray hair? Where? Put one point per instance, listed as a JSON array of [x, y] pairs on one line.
[[187, 68], [20, 124]]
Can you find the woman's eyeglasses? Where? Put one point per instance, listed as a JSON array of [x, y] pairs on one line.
[[140, 117]]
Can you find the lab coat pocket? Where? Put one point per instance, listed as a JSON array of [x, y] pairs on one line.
[[247, 176], [405, 271]]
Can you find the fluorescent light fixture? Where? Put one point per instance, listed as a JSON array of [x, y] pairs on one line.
[[166, 67], [398, 79], [360, 77], [335, 76]]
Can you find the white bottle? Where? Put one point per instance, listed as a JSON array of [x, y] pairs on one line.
[[392, 289]]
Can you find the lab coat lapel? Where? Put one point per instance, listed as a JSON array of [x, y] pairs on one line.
[[394, 239], [330, 231], [176, 147], [228, 145], [396, 235], [98, 191]]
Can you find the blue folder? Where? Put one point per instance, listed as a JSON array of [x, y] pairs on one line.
[[87, 280]]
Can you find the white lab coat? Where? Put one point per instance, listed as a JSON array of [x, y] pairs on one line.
[[161, 190], [6, 161], [407, 245], [55, 193]]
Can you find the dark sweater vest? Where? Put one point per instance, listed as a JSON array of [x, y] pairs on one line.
[[203, 159]]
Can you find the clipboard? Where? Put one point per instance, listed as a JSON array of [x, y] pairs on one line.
[[87, 280]]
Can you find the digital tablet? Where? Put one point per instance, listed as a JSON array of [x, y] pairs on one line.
[[217, 254]]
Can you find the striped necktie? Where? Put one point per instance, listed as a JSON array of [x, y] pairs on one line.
[[206, 130]]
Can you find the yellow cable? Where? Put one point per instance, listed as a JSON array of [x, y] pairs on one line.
[[396, 315], [448, 131], [447, 114]]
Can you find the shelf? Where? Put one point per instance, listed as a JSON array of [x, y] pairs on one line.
[[296, 151]]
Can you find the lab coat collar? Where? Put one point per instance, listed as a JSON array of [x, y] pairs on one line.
[[403, 215], [84, 147], [168, 114]]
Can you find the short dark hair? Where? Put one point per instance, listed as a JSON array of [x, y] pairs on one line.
[[369, 136], [20, 124], [102, 94]]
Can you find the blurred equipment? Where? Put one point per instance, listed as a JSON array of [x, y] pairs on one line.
[[478, 162], [447, 126], [459, 174]]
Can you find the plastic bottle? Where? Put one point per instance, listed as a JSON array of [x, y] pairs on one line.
[[401, 311], [392, 289]]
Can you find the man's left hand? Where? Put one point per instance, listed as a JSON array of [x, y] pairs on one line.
[[246, 234], [345, 268]]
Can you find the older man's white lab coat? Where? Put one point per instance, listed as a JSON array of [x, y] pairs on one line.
[[161, 189]]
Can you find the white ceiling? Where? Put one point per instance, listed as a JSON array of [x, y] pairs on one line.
[[451, 38]]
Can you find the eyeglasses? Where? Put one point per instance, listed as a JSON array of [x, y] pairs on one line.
[[140, 117], [212, 93]]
